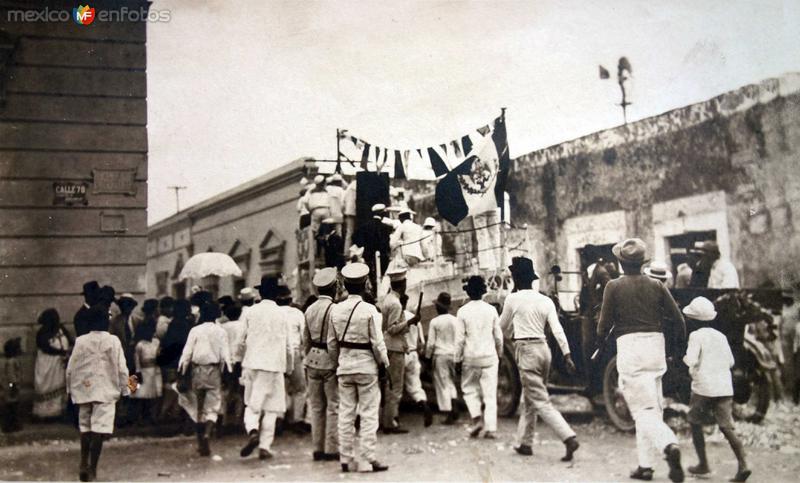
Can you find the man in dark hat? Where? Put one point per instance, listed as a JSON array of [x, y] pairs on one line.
[[89, 293], [528, 313], [267, 355], [441, 347], [123, 326], [640, 310], [478, 346]]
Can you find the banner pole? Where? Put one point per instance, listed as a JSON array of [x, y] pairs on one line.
[[338, 151], [503, 238]]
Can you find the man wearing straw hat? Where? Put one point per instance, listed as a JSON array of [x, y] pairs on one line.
[[658, 270], [639, 309]]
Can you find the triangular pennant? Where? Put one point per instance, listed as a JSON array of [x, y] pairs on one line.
[[437, 163], [484, 130], [399, 169], [456, 148], [466, 144]]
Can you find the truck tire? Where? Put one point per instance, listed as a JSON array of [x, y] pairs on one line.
[[509, 387], [616, 408]]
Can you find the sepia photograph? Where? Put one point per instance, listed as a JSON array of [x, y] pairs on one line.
[[418, 241]]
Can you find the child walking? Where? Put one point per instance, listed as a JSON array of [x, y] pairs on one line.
[[151, 385], [710, 360], [97, 375]]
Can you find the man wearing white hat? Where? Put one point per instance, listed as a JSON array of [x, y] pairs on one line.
[[640, 309], [318, 203], [335, 189], [323, 394], [395, 329], [247, 296], [658, 270], [430, 240], [355, 344], [406, 239]]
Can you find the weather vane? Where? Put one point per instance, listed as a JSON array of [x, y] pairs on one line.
[[624, 76]]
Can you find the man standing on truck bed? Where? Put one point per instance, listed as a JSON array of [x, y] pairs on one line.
[[635, 306], [530, 312]]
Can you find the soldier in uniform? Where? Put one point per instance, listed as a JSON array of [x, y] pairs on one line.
[[323, 394], [395, 328], [355, 344]]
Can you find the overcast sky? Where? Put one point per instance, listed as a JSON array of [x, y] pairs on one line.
[[236, 89]]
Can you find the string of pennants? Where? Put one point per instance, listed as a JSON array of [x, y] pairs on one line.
[[423, 163]]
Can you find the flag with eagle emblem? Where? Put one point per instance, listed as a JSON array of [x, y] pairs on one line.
[[477, 184]]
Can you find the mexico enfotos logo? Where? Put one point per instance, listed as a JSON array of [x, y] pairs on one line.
[[86, 15]]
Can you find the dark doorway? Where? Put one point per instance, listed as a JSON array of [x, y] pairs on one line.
[[677, 245]]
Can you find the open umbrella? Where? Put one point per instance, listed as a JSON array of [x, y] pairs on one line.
[[210, 263]]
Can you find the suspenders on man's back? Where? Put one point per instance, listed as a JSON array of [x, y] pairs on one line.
[[353, 345], [321, 344]]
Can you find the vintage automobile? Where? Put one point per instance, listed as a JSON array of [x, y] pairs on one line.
[[596, 378]]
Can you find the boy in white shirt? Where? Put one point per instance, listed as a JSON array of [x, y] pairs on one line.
[[441, 346], [710, 359]]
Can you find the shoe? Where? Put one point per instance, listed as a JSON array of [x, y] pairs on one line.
[[251, 445], [741, 475], [395, 430], [427, 413], [572, 446], [330, 456], [450, 419], [489, 435], [645, 474], [673, 457], [264, 454], [524, 450], [319, 456], [476, 428], [699, 470], [375, 467]]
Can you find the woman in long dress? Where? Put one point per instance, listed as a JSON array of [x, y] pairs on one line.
[[145, 359], [53, 344]]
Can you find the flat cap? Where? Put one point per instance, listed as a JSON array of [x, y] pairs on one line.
[[397, 272], [324, 277], [378, 207], [355, 272]]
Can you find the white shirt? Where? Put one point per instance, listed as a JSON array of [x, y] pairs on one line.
[[234, 330], [207, 345], [296, 321], [265, 344], [478, 338], [414, 336], [531, 312], [430, 244], [441, 336], [723, 275], [710, 360], [350, 199], [336, 200], [407, 238]]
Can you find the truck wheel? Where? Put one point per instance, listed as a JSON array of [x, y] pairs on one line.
[[509, 387], [612, 396]]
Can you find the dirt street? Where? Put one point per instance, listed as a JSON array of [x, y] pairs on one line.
[[439, 453]]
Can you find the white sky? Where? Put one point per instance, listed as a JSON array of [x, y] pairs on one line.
[[236, 89]]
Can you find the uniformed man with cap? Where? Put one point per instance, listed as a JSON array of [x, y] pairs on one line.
[[395, 328], [323, 393], [374, 236], [355, 345]]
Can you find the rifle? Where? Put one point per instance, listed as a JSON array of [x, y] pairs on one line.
[[601, 347]]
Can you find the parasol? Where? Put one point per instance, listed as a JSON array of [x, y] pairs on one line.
[[210, 263]]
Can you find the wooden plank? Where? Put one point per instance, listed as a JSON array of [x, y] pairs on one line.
[[67, 165], [74, 109], [20, 222], [30, 193], [77, 81], [119, 31], [71, 53], [29, 135], [60, 279], [64, 251]]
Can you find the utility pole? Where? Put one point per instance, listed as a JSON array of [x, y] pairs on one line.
[[624, 76], [177, 190]]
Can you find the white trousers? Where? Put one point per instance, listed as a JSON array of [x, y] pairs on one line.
[[412, 382], [444, 372], [641, 363], [265, 398], [479, 385]]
